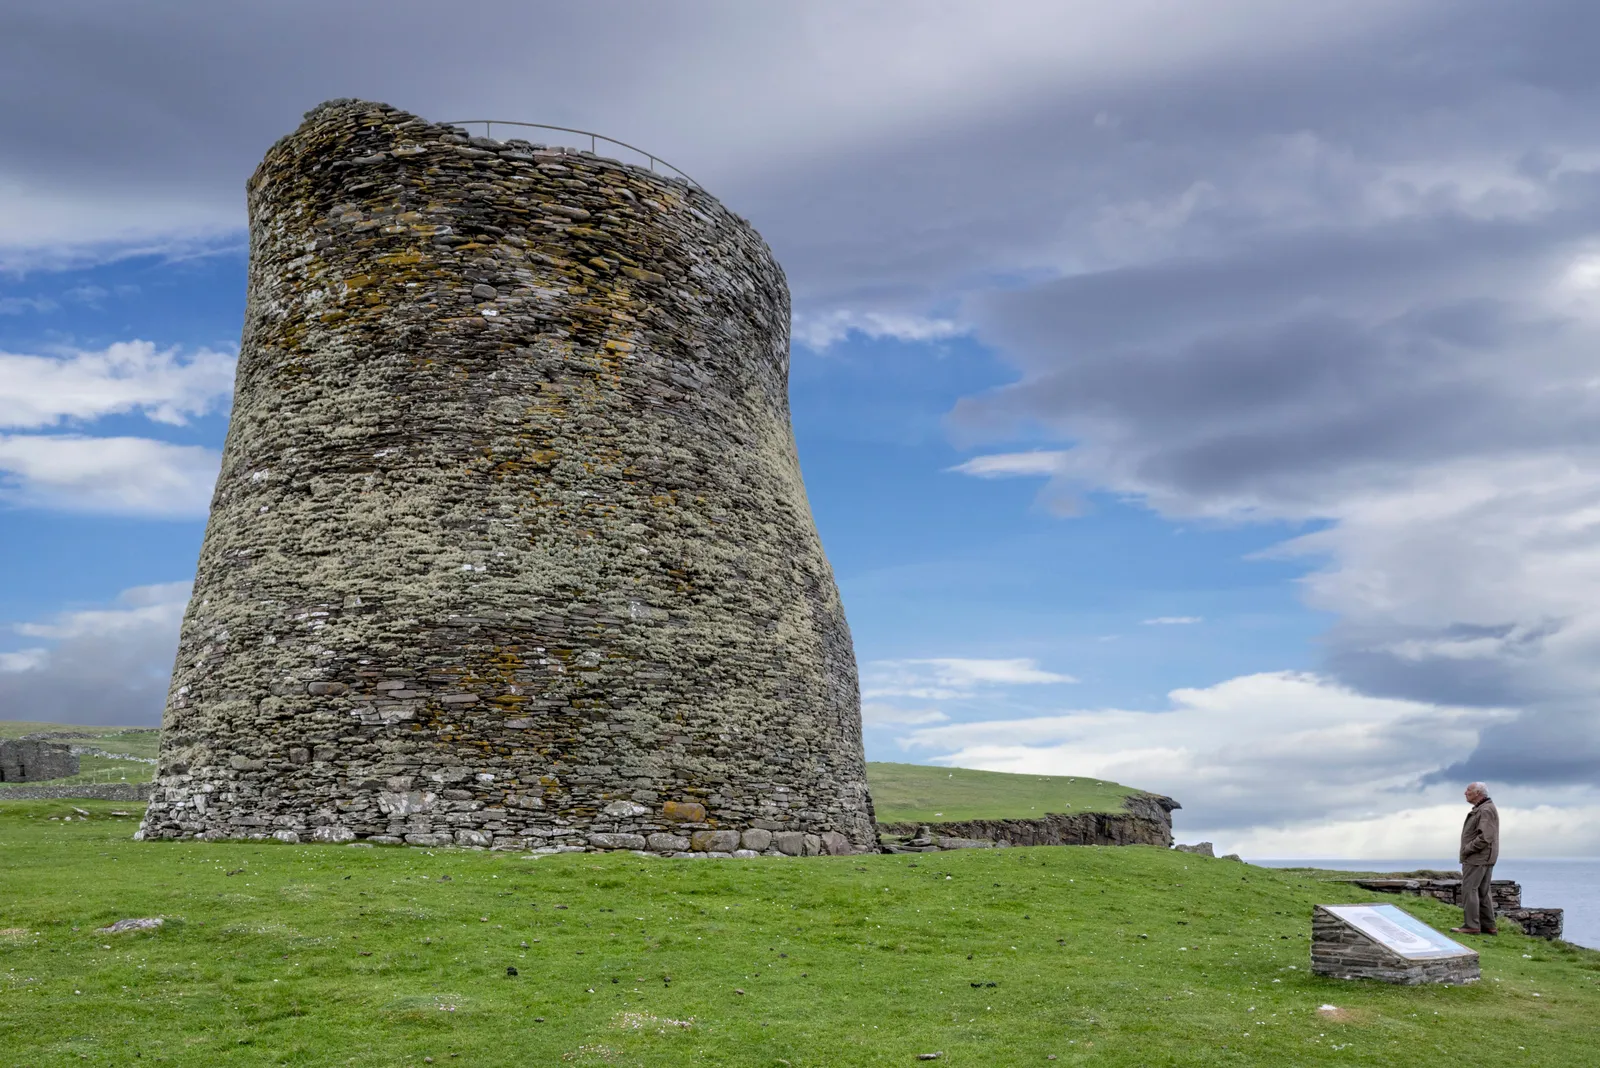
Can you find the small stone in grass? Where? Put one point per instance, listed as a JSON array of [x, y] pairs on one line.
[[736, 990], [511, 971], [930, 1056], [538, 1019]]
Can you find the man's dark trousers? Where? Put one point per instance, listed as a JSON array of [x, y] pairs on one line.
[[1477, 897]]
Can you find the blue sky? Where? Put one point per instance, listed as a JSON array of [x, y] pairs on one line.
[[1212, 409], [930, 561]]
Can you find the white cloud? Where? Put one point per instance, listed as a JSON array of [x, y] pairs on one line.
[[1477, 577], [874, 714], [1173, 621], [105, 664], [24, 659], [119, 476], [138, 608], [61, 227], [1039, 462], [820, 330], [126, 377], [1425, 832], [1260, 751], [947, 678]]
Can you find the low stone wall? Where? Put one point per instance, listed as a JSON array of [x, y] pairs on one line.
[[1538, 923], [105, 791], [1147, 820], [1507, 893]]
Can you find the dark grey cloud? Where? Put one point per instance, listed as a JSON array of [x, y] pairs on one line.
[[881, 146], [1541, 747]]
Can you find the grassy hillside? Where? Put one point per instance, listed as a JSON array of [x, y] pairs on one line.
[[332, 955], [137, 742], [916, 793]]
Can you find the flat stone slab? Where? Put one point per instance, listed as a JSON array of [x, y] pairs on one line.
[[123, 926], [1386, 943]]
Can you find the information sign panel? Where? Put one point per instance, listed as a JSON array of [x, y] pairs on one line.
[[1398, 931]]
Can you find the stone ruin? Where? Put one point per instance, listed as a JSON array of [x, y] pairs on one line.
[[510, 546], [1446, 887], [35, 760]]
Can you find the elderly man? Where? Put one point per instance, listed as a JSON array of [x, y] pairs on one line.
[[1480, 848]]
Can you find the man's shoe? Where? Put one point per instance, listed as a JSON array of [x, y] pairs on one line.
[[1465, 930], [1490, 930]]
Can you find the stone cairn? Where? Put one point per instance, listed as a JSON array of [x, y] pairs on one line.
[[510, 546]]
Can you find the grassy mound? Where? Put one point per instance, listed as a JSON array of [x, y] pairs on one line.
[[333, 955], [916, 793]]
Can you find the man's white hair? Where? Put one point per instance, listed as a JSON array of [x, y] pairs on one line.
[[1478, 788]]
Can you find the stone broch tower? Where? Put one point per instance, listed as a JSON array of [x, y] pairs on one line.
[[510, 546]]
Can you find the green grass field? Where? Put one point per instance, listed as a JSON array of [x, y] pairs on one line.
[[136, 741], [912, 793], [333, 955]]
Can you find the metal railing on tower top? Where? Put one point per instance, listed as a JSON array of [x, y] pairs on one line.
[[594, 141]]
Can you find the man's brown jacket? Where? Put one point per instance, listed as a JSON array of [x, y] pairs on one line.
[[1480, 835]]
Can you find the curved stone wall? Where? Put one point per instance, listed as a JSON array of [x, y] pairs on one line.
[[510, 545]]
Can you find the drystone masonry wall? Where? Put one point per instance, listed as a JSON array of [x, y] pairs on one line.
[[510, 546], [33, 760], [1538, 923], [1507, 893]]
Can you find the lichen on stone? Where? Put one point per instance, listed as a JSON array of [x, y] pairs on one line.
[[510, 525]]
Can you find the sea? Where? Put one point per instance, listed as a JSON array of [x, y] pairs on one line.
[[1573, 885]]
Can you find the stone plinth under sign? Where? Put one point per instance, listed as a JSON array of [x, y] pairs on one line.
[[1376, 941]]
